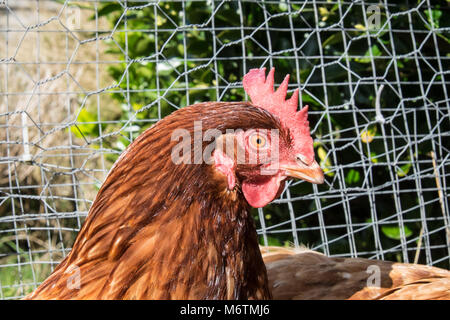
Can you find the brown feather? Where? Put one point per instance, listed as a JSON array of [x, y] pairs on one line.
[[157, 230], [308, 275]]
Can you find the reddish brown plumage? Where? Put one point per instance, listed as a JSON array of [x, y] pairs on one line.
[[157, 230], [160, 230], [308, 275]]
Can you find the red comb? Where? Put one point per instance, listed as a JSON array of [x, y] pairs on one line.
[[260, 90]]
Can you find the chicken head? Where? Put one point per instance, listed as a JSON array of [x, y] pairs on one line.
[[260, 160]]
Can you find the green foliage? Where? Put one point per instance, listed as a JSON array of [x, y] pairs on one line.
[[87, 124]]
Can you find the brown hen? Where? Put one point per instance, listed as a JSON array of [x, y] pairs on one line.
[[172, 219]]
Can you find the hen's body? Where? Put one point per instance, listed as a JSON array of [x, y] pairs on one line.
[[308, 275], [159, 229], [152, 235]]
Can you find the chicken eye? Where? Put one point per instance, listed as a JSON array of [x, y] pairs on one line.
[[258, 141]]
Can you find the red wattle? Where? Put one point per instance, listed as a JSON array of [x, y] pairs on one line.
[[261, 191]]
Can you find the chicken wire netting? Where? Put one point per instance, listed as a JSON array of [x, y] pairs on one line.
[[79, 80]]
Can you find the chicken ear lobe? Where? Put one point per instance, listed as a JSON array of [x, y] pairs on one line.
[[225, 165]]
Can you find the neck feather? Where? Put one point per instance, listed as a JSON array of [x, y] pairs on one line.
[[163, 231]]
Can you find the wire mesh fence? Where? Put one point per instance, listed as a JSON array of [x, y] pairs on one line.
[[79, 80]]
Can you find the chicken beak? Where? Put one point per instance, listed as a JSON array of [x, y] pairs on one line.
[[309, 172]]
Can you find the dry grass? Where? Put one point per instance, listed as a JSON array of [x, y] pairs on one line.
[[48, 74]]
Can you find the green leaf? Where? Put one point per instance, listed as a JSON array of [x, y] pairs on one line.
[[86, 123], [283, 6], [375, 51], [325, 162], [393, 232], [108, 8], [403, 170], [373, 157], [308, 99], [368, 134], [352, 177], [143, 46], [434, 17], [333, 39]]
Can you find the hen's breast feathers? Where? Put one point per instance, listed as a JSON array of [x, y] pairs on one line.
[[307, 275], [157, 230]]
